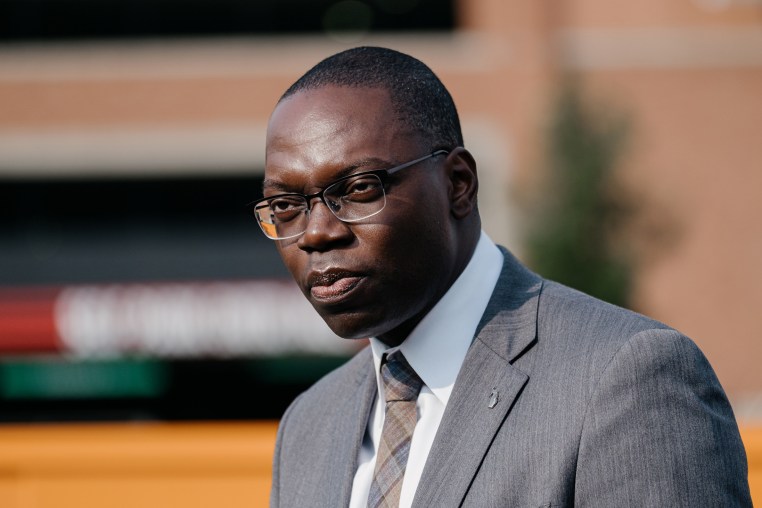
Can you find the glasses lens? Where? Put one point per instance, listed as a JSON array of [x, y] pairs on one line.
[[282, 217], [356, 198]]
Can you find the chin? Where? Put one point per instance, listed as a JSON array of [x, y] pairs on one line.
[[352, 326], [350, 333]]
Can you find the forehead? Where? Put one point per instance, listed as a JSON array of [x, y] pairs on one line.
[[331, 128], [306, 115]]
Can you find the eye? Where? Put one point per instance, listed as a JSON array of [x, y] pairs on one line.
[[285, 208], [363, 188]]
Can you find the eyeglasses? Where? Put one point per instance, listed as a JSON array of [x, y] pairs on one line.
[[351, 199]]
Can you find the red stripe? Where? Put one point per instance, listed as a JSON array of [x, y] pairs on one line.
[[27, 320]]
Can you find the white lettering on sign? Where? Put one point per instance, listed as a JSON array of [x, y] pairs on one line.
[[258, 318]]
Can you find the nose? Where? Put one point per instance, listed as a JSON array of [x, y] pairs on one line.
[[324, 230]]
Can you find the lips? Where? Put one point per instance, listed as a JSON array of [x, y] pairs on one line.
[[332, 285]]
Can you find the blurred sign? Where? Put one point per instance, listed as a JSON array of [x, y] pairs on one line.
[[222, 319]]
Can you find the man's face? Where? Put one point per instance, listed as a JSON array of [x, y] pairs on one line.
[[379, 276]]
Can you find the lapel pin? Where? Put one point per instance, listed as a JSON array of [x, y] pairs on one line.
[[493, 398]]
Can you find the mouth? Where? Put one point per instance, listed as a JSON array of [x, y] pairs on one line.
[[332, 285]]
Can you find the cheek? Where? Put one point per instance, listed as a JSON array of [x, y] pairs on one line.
[[412, 252], [424, 226], [290, 255]]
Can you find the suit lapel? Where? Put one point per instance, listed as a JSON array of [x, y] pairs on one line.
[[357, 400], [469, 425], [467, 428]]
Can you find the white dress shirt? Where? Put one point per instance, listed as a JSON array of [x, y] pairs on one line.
[[435, 349]]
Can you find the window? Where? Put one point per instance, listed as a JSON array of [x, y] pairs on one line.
[[109, 19]]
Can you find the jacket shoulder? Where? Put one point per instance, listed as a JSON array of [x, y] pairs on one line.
[[566, 312], [337, 384]]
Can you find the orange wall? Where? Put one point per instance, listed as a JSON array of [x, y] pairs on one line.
[[136, 465], [164, 465]]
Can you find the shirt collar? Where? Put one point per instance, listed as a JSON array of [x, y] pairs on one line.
[[437, 346]]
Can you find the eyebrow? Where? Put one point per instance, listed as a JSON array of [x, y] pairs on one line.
[[369, 162]]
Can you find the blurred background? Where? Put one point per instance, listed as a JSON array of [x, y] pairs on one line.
[[619, 151]]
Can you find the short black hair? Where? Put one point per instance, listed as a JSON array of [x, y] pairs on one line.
[[419, 97]]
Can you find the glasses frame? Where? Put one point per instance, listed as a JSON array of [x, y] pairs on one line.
[[381, 174]]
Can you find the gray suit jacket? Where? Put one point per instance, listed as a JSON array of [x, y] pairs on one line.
[[597, 406]]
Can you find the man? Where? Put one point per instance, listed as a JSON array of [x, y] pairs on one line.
[[484, 385]]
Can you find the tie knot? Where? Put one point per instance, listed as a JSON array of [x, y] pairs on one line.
[[400, 380]]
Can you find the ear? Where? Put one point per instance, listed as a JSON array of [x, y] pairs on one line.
[[464, 184]]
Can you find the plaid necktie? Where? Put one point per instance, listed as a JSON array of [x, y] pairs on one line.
[[401, 386]]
